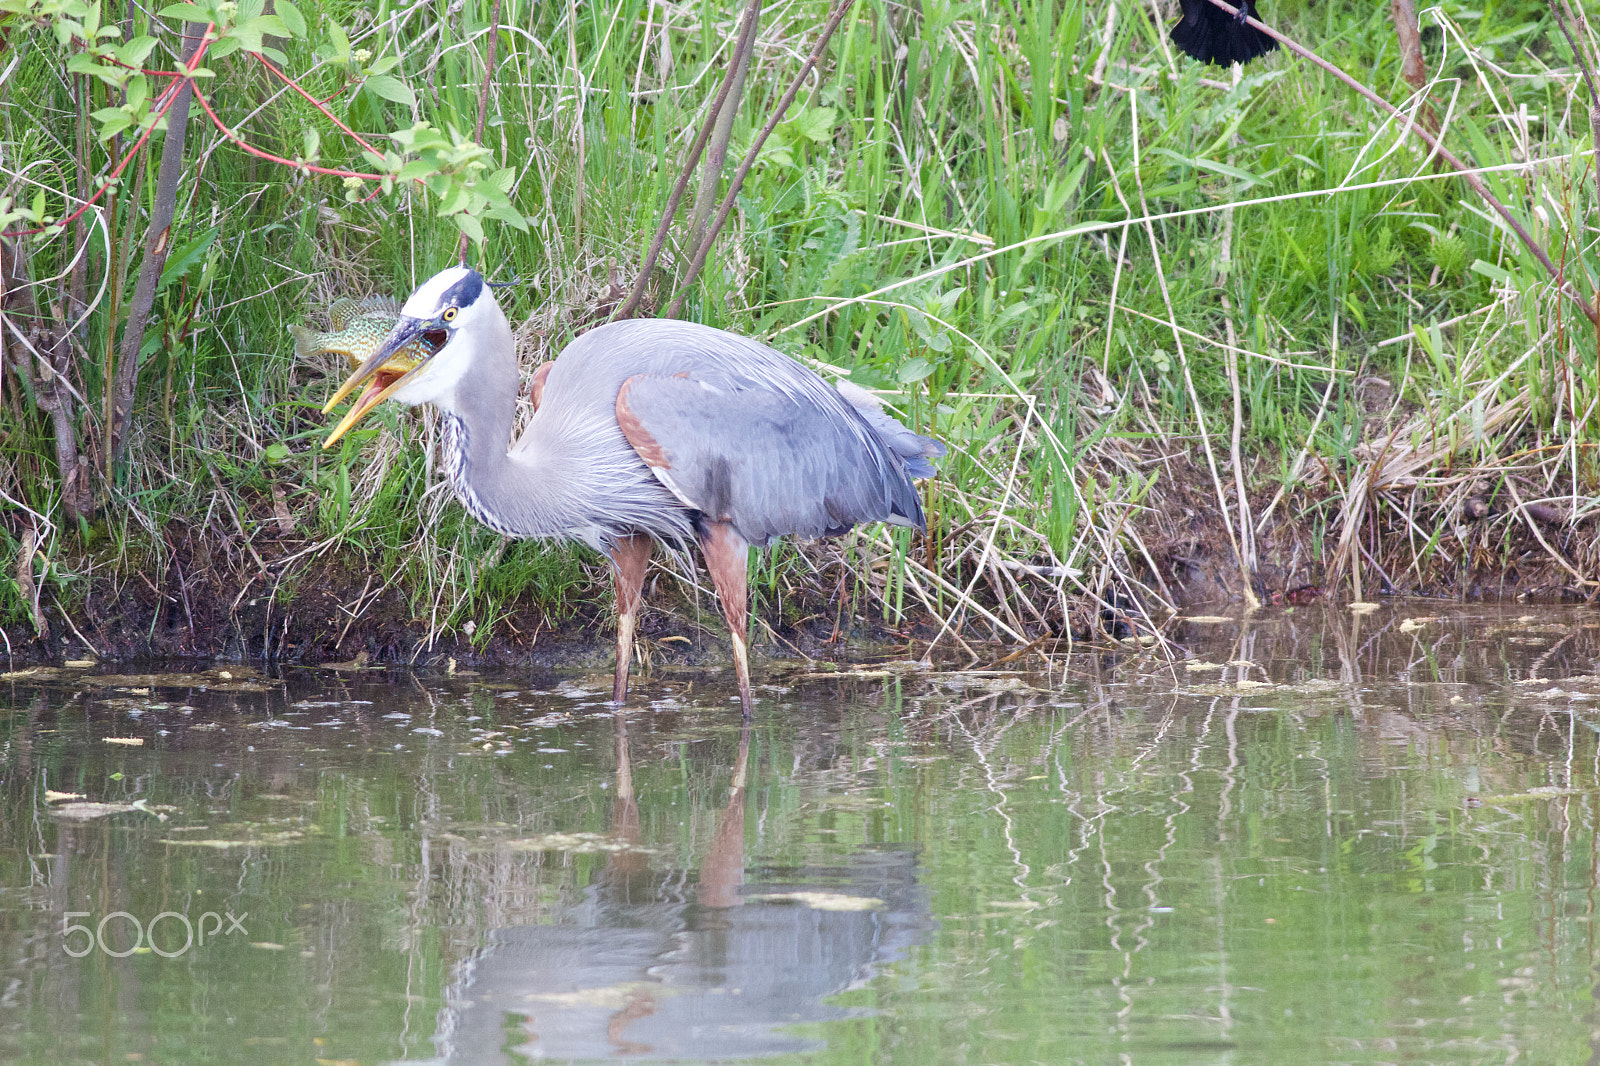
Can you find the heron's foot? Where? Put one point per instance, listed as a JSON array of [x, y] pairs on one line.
[[630, 556], [619, 685], [741, 667]]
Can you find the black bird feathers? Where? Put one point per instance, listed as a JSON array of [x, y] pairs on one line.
[[1211, 35]]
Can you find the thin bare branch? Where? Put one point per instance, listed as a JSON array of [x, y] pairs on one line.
[[755, 150], [157, 243], [747, 30], [1466, 172], [721, 134]]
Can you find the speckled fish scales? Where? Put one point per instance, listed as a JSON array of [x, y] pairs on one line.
[[359, 326]]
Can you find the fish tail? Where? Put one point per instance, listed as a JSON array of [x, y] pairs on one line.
[[308, 342]]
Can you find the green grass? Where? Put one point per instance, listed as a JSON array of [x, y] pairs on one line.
[[924, 220]]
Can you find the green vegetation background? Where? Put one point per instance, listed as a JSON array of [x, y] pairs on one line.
[[874, 235]]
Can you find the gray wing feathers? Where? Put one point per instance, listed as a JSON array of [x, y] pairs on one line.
[[749, 434], [772, 464], [913, 448]]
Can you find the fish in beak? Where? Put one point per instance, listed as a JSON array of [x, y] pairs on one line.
[[406, 349], [359, 326]]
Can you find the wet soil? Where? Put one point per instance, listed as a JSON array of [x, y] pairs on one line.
[[206, 605], [335, 619], [217, 597]]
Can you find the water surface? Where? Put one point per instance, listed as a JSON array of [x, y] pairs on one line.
[[1328, 836]]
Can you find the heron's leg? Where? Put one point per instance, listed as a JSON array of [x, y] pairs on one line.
[[727, 558], [629, 559]]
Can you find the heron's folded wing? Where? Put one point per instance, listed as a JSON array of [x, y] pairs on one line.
[[770, 463]]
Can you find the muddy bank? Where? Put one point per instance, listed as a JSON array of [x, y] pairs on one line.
[[209, 601], [1469, 538], [214, 598]]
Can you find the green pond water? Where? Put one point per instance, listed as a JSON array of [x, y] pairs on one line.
[[1323, 836]]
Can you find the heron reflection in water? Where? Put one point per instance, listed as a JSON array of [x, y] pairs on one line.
[[656, 959], [644, 430]]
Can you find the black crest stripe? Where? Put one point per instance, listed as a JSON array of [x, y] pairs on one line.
[[465, 292]]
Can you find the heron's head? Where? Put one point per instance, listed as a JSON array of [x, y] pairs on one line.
[[454, 310]]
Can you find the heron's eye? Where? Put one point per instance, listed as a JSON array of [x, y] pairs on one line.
[[449, 314]]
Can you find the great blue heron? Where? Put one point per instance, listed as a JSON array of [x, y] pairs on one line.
[[645, 430]]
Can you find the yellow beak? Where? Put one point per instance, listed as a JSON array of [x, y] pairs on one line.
[[400, 355]]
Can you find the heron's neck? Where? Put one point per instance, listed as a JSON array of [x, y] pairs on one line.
[[526, 495], [473, 458]]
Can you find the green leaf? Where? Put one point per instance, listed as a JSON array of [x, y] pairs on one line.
[[83, 63], [391, 89], [225, 47], [1492, 272], [914, 369], [181, 259], [458, 199], [270, 25], [510, 216], [312, 144], [1202, 163], [293, 20], [9, 214], [136, 51], [138, 93], [471, 227], [116, 121], [944, 303], [340, 42], [777, 154], [492, 193], [384, 65], [814, 124], [247, 37], [38, 206]]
